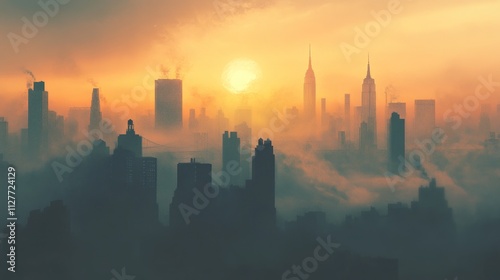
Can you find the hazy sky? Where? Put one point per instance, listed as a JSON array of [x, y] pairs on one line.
[[428, 49]]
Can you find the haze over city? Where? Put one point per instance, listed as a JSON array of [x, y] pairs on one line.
[[231, 139]]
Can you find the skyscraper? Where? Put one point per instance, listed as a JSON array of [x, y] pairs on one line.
[[395, 142], [369, 107], [131, 141], [38, 110], [263, 185], [95, 110], [347, 115], [168, 104], [231, 157], [425, 118], [190, 176], [310, 92]]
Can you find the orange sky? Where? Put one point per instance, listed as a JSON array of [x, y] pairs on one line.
[[431, 49]]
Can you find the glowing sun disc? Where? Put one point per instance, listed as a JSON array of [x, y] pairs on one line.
[[241, 76]]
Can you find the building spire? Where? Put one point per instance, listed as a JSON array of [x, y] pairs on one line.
[[368, 74]]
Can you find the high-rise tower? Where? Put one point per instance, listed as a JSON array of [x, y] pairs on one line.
[[395, 143], [310, 92], [95, 110], [168, 104], [38, 121], [369, 107], [231, 156], [263, 185]]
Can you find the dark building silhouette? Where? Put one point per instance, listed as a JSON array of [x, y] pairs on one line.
[[190, 176], [310, 91], [262, 185], [395, 143], [369, 107], [231, 162], [38, 113], [432, 207], [4, 135], [95, 111], [168, 104], [131, 141]]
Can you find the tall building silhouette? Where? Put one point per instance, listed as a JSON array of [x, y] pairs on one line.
[[310, 91], [131, 141], [168, 104], [395, 143], [231, 157], [369, 107], [95, 110], [425, 118], [4, 135], [190, 176], [38, 113], [262, 189]]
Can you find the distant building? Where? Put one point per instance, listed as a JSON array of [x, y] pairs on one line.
[[245, 134], [95, 111], [369, 107], [425, 118], [310, 92], [395, 143], [38, 113], [56, 128], [347, 116], [168, 104]]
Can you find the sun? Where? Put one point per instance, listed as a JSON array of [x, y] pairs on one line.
[[241, 76]]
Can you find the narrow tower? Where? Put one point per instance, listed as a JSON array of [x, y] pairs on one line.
[[310, 91], [95, 110], [369, 107]]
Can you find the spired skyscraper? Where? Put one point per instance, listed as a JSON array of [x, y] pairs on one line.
[[310, 92], [38, 119], [95, 110], [168, 104], [369, 108]]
